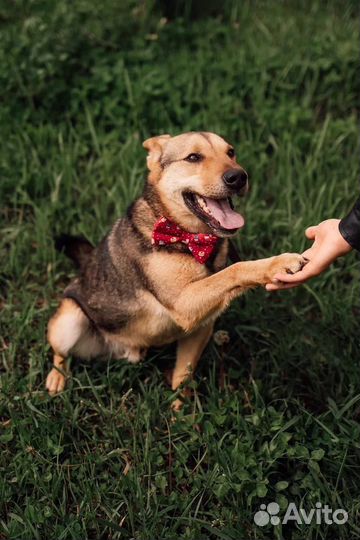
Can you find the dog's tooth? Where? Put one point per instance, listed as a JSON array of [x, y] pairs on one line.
[[202, 203]]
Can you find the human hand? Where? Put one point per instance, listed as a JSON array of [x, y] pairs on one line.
[[328, 245]]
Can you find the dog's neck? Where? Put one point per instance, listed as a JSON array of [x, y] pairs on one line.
[[145, 212], [152, 199]]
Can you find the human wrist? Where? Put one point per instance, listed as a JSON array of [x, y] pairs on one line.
[[349, 226], [342, 244]]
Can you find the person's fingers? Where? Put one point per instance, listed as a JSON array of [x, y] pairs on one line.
[[310, 232], [281, 286], [309, 253], [289, 278]]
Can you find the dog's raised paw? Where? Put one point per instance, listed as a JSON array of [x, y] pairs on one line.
[[290, 263], [55, 382]]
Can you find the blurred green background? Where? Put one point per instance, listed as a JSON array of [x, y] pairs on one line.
[[275, 414]]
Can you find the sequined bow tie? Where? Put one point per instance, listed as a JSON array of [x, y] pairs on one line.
[[200, 245]]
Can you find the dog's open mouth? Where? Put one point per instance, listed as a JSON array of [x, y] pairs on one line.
[[219, 214]]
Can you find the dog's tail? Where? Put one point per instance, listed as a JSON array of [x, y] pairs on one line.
[[77, 248]]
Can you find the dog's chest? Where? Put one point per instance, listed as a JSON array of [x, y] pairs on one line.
[[152, 325]]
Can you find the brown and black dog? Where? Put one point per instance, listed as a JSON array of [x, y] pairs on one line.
[[132, 292]]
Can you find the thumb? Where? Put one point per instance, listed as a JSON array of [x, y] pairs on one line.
[[311, 232]]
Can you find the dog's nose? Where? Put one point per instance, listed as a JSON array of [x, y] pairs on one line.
[[235, 179]]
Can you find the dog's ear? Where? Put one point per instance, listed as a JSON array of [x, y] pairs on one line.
[[155, 146]]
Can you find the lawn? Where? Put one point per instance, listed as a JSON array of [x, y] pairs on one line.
[[275, 413]]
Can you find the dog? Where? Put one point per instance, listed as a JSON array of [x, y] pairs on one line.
[[160, 275]]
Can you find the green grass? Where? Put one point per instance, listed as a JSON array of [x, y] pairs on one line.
[[275, 414]]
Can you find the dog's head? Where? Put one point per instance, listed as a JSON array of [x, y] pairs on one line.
[[195, 175]]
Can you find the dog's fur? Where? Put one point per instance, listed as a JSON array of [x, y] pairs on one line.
[[131, 295]]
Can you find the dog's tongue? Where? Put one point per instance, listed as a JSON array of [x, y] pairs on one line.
[[225, 215]]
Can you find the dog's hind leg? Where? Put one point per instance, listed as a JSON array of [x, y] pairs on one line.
[[66, 329], [189, 351]]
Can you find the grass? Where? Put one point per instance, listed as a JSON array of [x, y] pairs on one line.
[[275, 413]]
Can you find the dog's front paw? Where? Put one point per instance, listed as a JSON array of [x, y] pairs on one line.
[[55, 382], [288, 263]]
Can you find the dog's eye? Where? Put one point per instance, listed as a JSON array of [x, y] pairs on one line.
[[193, 158], [231, 153]]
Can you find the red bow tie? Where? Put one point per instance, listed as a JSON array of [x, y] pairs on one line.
[[201, 245]]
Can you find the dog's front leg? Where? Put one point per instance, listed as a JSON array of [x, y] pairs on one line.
[[200, 299], [188, 354]]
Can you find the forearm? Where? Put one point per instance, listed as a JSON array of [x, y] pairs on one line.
[[203, 298], [349, 227]]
